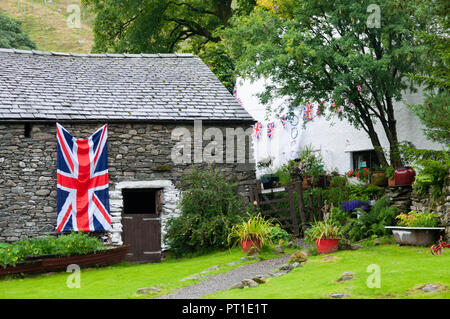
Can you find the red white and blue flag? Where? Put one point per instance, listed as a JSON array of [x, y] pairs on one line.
[[270, 128], [82, 177], [307, 111], [257, 129]]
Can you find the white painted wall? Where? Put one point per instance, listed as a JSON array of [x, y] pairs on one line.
[[335, 139]]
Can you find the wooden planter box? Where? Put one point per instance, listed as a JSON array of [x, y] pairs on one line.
[[38, 264]]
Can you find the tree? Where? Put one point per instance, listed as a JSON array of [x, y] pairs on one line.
[[12, 35], [434, 74], [317, 50], [160, 26]]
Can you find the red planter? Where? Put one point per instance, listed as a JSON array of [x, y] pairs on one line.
[[247, 244], [326, 246], [404, 176]]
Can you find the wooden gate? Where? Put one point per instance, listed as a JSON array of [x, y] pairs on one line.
[[141, 229], [287, 216]]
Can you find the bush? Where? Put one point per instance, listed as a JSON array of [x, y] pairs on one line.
[[431, 173], [368, 224], [209, 207], [278, 235]]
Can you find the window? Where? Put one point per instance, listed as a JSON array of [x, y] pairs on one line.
[[363, 159], [27, 130], [141, 201]]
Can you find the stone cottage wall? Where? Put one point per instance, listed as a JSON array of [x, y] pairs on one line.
[[137, 152]]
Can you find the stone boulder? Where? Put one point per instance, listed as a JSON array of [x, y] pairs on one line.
[[297, 257]]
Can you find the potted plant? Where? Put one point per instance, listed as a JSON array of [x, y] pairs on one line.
[[267, 177], [404, 176], [325, 234], [416, 229], [312, 166], [255, 231], [378, 177], [389, 171]]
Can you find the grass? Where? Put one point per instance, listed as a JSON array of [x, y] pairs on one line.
[[46, 24], [403, 270], [123, 280]]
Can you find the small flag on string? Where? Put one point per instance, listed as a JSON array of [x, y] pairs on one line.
[[235, 94], [283, 121], [257, 129], [307, 111], [359, 88], [270, 128]]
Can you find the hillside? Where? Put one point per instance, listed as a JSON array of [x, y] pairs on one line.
[[46, 22]]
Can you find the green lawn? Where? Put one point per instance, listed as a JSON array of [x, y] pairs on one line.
[[119, 281], [402, 271]]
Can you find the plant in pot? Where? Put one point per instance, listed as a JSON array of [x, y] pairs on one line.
[[325, 234], [254, 231], [389, 172], [416, 228], [312, 165], [378, 177]]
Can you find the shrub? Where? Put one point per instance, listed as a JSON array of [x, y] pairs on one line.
[[365, 192], [414, 219], [209, 207], [431, 173], [278, 235], [338, 181]]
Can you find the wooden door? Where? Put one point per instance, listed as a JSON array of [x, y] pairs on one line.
[[141, 230]]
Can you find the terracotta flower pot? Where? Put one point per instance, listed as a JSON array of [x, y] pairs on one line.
[[379, 179], [246, 244], [391, 182], [404, 176], [326, 246]]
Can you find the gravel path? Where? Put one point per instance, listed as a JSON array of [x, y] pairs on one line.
[[226, 280]]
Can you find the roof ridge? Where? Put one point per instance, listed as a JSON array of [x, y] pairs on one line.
[[100, 55]]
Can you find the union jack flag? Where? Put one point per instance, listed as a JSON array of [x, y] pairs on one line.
[[283, 121], [257, 129], [235, 94], [82, 178], [307, 111], [270, 128]]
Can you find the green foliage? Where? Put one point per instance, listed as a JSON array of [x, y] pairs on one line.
[[338, 181], [312, 163], [368, 224], [64, 245], [161, 26], [365, 192], [278, 235], [315, 50], [412, 155], [209, 207], [389, 171], [415, 219], [254, 228], [433, 73], [13, 36], [431, 173]]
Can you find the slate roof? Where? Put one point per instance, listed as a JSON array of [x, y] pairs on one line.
[[49, 86]]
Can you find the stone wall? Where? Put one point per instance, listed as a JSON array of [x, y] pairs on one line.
[[440, 207], [137, 152]]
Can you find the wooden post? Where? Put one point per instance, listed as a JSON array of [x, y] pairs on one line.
[[319, 206], [293, 212], [311, 208], [301, 206]]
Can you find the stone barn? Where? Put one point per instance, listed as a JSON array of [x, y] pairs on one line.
[[165, 112]]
